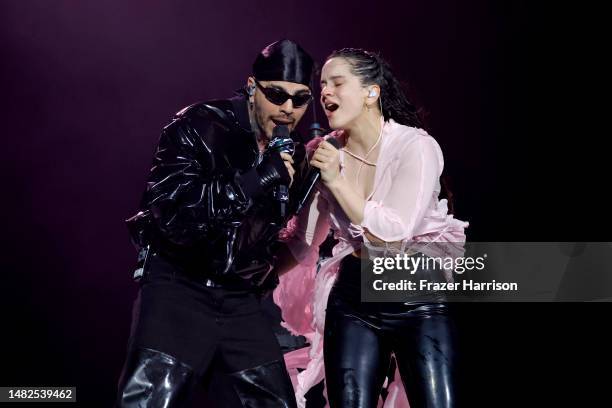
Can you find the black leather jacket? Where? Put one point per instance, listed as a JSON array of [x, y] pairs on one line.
[[199, 210]]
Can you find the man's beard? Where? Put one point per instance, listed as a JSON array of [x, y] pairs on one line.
[[257, 125], [260, 134], [256, 128]]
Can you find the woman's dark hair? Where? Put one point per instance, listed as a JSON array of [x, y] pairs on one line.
[[372, 69]]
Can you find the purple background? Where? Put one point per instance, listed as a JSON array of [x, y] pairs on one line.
[[86, 87]]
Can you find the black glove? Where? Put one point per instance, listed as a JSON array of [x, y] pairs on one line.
[[269, 173], [272, 171]]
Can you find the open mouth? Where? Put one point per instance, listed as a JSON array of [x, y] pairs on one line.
[[331, 107], [282, 122]]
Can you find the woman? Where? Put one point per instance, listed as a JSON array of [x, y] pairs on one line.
[[379, 190]]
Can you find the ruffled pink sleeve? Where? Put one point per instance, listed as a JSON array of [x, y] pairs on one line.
[[396, 216]]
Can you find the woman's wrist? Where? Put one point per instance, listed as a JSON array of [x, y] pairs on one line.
[[335, 185]]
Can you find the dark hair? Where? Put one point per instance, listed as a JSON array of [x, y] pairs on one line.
[[372, 69]]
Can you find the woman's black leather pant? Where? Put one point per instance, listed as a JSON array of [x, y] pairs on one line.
[[360, 338]]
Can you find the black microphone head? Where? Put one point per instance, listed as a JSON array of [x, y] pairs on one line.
[[281, 141], [334, 142], [280, 131], [316, 129]]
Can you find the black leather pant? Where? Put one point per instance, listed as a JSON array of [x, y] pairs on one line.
[[182, 331], [360, 337]]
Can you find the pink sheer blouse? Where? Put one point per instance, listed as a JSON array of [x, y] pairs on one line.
[[403, 210]]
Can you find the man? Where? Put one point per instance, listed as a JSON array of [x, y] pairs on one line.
[[207, 233]]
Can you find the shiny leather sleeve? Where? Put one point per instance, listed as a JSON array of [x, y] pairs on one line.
[[188, 192]]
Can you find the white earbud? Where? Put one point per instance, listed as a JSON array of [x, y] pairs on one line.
[[251, 90], [372, 93]]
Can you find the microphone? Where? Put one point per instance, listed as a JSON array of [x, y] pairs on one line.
[[282, 143], [314, 176]]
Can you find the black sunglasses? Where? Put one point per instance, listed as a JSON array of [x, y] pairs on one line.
[[279, 97]]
